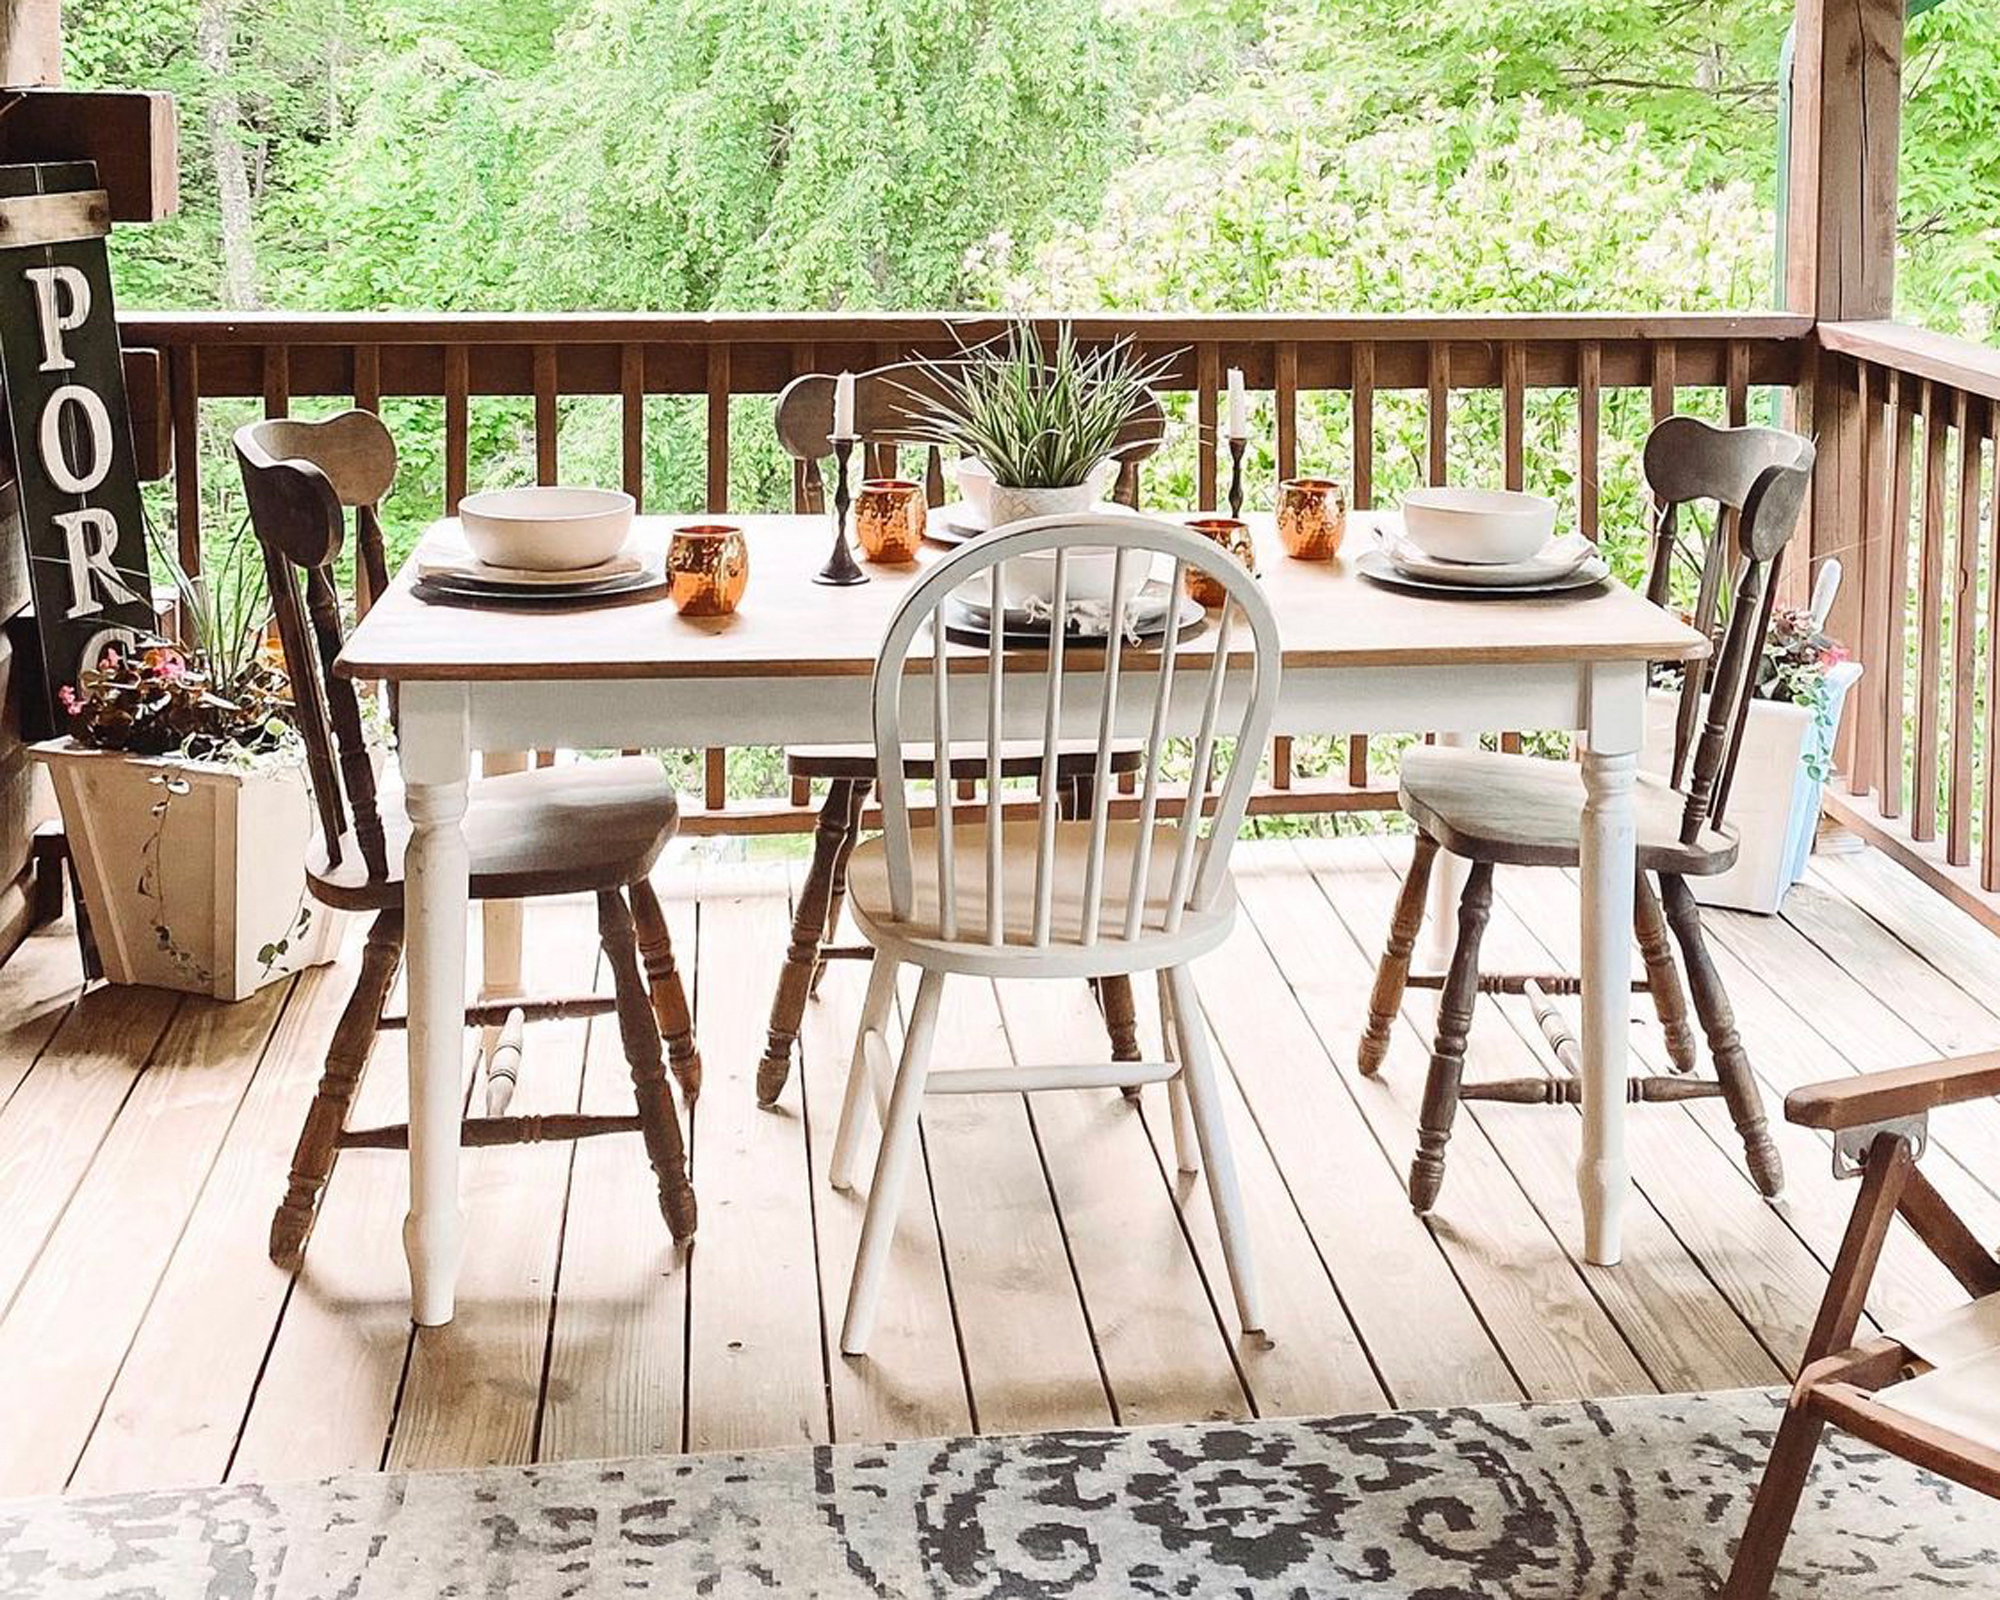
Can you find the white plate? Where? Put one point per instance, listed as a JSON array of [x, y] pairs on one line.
[[1377, 566], [1557, 559]]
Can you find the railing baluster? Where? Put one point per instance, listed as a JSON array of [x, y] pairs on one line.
[[277, 365], [1207, 379], [1357, 761], [1513, 414], [1888, 664], [548, 423], [1440, 410], [457, 425], [1665, 367], [1989, 864], [1364, 427], [1589, 424], [184, 384], [718, 427], [1285, 401], [1970, 420], [368, 377], [1930, 566], [632, 421], [1871, 571]]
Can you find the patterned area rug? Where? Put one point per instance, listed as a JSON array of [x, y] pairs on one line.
[[1623, 1498]]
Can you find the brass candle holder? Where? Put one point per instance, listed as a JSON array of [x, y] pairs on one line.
[[1312, 518], [841, 569]]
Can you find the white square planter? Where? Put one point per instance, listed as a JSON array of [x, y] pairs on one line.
[[205, 893], [1774, 802]]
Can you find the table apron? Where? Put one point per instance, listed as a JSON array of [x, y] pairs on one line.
[[776, 710]]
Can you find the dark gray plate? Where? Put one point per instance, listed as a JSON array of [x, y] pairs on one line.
[[453, 591]]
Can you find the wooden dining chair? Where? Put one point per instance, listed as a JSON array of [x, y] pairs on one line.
[[1055, 896], [1495, 809], [594, 828], [1927, 1393], [804, 419]]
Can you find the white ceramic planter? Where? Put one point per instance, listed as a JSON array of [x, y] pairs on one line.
[[1008, 504], [199, 894], [1774, 801]]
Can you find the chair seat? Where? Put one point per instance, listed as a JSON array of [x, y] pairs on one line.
[[1523, 811], [550, 830], [1019, 758], [921, 940]]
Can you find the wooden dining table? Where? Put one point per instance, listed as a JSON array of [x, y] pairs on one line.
[[792, 666]]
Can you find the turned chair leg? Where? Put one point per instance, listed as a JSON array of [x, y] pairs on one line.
[[838, 819], [663, 982], [1663, 978], [1725, 1047], [1393, 975], [346, 1058], [1454, 1025], [639, 1032]]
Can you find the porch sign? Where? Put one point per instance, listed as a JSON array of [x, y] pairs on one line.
[[64, 384]]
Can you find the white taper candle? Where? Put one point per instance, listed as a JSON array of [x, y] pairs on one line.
[[843, 406], [1239, 421]]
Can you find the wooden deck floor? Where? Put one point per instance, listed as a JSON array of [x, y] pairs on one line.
[[1053, 1272]]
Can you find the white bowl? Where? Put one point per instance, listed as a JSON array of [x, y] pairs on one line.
[[546, 528], [975, 482], [1484, 527]]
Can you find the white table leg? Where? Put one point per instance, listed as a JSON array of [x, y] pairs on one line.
[[500, 921], [1610, 767], [435, 762], [1447, 884]]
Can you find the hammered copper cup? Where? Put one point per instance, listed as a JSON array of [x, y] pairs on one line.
[[708, 566], [1312, 518], [1234, 536], [889, 520]]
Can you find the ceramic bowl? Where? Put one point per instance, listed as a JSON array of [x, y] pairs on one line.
[[1033, 576], [975, 487], [1484, 527], [546, 528]]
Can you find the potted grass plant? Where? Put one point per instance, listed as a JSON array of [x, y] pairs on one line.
[[184, 800], [1043, 419]]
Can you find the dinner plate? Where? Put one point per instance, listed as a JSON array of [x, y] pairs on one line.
[[1376, 565], [1557, 560], [970, 622], [958, 523], [456, 590]]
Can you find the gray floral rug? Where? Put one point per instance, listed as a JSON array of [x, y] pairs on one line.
[[1622, 1498]]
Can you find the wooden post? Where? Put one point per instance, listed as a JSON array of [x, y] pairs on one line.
[[1840, 250]]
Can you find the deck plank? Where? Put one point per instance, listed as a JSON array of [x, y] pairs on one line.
[[76, 1314], [617, 1372], [756, 1357], [1029, 1358], [472, 1394], [1053, 1270], [169, 1419]]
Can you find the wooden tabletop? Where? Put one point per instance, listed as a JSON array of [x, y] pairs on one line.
[[1328, 616]]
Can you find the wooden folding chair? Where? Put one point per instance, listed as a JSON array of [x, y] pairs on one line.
[[1929, 1393]]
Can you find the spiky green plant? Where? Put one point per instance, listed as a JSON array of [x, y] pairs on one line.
[[1038, 418]]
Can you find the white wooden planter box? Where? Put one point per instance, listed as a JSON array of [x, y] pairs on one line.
[[1774, 802], [199, 896]]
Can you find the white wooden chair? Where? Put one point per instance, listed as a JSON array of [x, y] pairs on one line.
[[1044, 897]]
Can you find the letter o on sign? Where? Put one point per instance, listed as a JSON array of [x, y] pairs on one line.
[[97, 457]]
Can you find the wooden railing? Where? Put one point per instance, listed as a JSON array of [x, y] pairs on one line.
[[1909, 443], [1369, 363]]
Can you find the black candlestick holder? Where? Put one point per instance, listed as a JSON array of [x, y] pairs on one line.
[[841, 569], [1236, 449]]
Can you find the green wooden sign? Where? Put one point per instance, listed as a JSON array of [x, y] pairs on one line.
[[64, 383]]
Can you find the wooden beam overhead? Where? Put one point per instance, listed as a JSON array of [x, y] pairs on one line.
[[129, 134]]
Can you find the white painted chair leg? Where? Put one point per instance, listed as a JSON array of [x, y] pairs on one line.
[[892, 1169], [860, 1071], [1205, 1101], [1187, 1150]]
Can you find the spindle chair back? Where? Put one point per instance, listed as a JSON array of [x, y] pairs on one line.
[[1223, 683]]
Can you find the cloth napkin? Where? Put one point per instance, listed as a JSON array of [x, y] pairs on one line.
[[1091, 619]]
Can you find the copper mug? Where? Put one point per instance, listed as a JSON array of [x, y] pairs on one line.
[[1312, 518], [889, 520], [708, 565], [1234, 536]]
